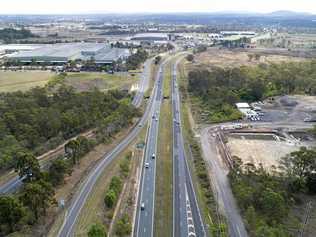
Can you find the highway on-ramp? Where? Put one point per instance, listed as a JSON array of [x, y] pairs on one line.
[[143, 83], [14, 183], [73, 211]]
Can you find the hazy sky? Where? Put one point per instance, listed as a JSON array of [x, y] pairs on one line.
[[130, 6]]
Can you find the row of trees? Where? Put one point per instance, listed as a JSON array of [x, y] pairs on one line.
[[123, 226], [10, 35], [113, 193], [32, 202], [116, 184], [266, 198], [47, 115], [219, 89], [135, 60], [74, 151], [241, 42], [37, 194], [38, 120]]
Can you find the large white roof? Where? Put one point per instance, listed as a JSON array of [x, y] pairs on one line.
[[242, 105]]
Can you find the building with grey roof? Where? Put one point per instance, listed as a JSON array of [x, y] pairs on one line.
[[150, 37], [63, 53]]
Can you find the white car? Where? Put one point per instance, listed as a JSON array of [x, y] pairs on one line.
[[153, 156], [142, 206], [146, 165]]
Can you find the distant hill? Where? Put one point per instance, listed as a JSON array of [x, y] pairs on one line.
[[288, 14]]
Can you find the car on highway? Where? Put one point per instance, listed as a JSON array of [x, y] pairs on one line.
[[146, 165], [176, 122], [142, 206], [153, 156]]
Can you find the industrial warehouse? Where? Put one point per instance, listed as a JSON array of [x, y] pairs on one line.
[[60, 54]]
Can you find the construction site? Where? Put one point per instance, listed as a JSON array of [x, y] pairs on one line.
[[284, 127]]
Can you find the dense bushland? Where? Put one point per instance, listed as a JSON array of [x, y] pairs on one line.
[[36, 121], [218, 89]]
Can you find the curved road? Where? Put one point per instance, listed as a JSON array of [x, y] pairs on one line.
[[13, 184], [143, 83], [79, 199]]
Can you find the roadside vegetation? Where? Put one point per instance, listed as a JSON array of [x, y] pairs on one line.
[[267, 198], [37, 120], [273, 203], [97, 230], [217, 90], [135, 60], [201, 178], [33, 122], [112, 196], [111, 204]]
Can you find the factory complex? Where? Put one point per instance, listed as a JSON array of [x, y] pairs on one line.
[[60, 54]]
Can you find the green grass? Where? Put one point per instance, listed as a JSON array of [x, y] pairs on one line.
[[91, 80], [94, 210], [163, 197], [22, 81], [84, 81]]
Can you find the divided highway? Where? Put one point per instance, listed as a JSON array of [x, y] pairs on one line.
[[144, 221], [187, 220], [13, 184]]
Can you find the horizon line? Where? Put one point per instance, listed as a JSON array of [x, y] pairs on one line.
[[157, 12]]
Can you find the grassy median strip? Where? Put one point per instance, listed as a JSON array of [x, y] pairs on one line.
[[163, 197]]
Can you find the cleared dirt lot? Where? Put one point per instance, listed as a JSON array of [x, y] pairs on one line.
[[256, 149], [294, 108]]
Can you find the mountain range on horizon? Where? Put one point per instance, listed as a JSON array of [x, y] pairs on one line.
[[279, 13]]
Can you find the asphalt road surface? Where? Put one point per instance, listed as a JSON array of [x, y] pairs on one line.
[[187, 219], [80, 197], [10, 186], [143, 83], [13, 184], [144, 221], [221, 186]]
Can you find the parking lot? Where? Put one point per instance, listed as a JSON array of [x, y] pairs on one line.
[[296, 108]]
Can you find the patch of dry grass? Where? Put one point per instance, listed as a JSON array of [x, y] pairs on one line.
[[21, 81]]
